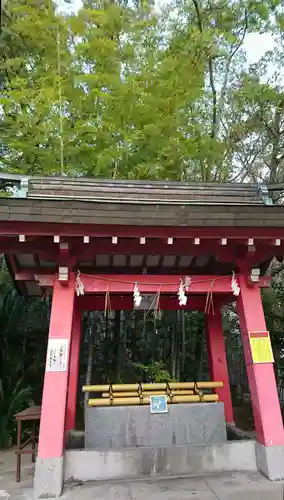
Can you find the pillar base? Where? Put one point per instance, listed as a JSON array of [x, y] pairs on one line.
[[48, 480], [270, 461]]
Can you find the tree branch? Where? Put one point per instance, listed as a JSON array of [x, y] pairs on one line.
[[214, 99], [275, 144], [211, 72], [198, 14], [225, 82]]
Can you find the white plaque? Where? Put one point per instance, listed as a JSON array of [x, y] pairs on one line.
[[158, 404], [57, 355]]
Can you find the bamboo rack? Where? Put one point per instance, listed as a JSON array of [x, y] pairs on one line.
[[146, 393], [146, 400], [151, 387], [140, 394]]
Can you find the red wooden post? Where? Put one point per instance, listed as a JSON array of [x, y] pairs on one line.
[[218, 361], [70, 421], [49, 465], [263, 389]]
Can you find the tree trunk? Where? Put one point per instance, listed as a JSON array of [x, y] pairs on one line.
[[89, 371], [174, 352], [116, 345], [198, 355], [183, 343], [178, 336], [201, 359]]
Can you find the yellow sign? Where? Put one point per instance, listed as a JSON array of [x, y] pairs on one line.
[[261, 349]]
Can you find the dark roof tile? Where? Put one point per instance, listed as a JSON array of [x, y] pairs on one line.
[[142, 192]]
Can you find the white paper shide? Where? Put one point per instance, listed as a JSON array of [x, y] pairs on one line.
[[57, 355]]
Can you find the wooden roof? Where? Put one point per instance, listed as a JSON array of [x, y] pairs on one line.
[[141, 192], [81, 200], [100, 209]]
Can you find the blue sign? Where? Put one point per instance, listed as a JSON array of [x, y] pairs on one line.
[[159, 404]]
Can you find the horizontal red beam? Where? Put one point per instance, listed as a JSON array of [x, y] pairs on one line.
[[115, 283], [49, 229], [154, 283], [125, 303], [87, 252]]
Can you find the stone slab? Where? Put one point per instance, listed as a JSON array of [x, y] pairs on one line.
[[48, 479], [193, 460], [270, 460], [129, 426], [229, 486], [225, 486], [249, 486]]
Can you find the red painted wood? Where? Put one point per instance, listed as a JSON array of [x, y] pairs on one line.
[[51, 436], [258, 335], [116, 283], [64, 229], [70, 421], [45, 247], [218, 360], [153, 283], [265, 402]]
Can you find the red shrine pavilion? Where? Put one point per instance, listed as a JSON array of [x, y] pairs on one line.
[[198, 246]]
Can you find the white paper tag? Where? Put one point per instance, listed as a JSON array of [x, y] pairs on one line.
[[57, 355]]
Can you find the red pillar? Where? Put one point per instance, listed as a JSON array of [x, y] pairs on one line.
[[262, 383], [52, 424], [73, 371], [218, 361]]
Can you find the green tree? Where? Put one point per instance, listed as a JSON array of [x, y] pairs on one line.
[[232, 87], [123, 90], [31, 101], [23, 341], [109, 91]]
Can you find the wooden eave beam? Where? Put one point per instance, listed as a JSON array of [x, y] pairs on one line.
[[181, 247], [108, 230]]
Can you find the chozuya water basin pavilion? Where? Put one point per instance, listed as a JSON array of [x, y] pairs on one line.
[[198, 246]]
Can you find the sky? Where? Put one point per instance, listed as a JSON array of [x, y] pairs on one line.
[[255, 44]]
